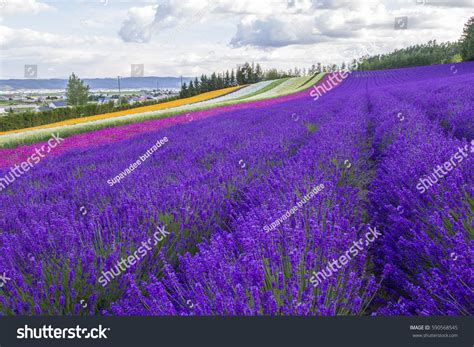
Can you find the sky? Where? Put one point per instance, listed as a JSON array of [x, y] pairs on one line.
[[102, 38]]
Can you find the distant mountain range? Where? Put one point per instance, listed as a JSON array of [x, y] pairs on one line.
[[95, 83]]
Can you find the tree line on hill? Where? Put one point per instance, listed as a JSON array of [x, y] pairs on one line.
[[425, 54], [467, 41], [418, 55], [246, 73]]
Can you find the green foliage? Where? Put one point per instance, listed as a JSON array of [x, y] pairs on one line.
[[467, 41], [123, 100], [310, 127], [22, 120], [425, 54], [207, 84], [417, 55], [249, 74], [76, 92]]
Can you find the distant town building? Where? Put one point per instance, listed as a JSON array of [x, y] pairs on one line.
[[42, 108], [56, 104], [107, 99]]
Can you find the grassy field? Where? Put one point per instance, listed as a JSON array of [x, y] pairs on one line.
[[264, 90], [287, 86]]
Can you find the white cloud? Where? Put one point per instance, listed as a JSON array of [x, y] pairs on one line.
[[343, 20], [14, 7], [272, 24], [145, 22], [139, 25], [274, 32], [18, 38], [192, 37], [447, 3]]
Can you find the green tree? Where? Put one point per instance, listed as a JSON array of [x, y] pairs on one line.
[[184, 91], [213, 82], [227, 79], [123, 100], [191, 89], [239, 75], [467, 41], [204, 84], [244, 74], [77, 93], [219, 81], [197, 86], [272, 74], [258, 73]]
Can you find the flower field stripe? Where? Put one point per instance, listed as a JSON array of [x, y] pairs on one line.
[[218, 97], [232, 97], [138, 110], [9, 156], [19, 136], [264, 90], [289, 86], [247, 90], [310, 82], [286, 86]]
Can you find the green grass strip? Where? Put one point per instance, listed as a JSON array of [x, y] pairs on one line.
[[308, 81], [263, 90]]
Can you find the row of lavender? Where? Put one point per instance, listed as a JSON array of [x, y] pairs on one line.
[[422, 194], [428, 216], [219, 181]]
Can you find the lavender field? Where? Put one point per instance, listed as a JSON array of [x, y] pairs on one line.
[[225, 217]]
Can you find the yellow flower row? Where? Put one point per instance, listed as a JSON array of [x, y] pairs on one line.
[[169, 104]]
